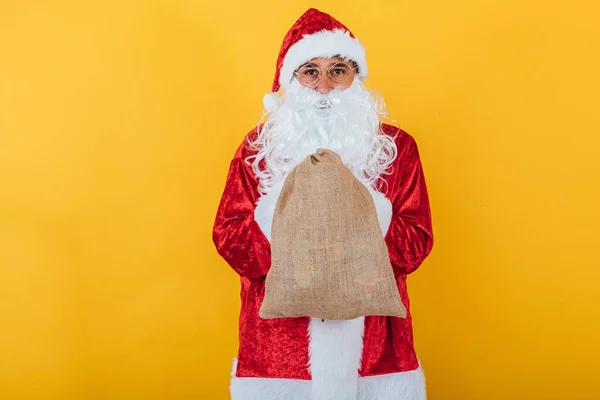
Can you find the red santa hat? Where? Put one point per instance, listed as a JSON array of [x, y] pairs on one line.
[[316, 34]]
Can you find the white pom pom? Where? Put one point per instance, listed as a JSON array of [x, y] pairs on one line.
[[271, 101]]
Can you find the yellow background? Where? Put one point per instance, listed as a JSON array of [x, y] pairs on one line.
[[117, 123]]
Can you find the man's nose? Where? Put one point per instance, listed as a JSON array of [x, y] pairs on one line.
[[325, 85]]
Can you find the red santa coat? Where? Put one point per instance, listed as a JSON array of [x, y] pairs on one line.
[[295, 358]]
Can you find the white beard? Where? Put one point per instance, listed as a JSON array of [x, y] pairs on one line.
[[346, 122]]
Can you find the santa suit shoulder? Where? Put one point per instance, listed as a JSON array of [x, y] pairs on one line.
[[406, 147]]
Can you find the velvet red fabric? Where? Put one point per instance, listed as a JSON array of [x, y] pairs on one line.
[[278, 348]]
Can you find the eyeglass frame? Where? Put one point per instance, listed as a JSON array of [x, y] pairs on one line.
[[353, 68]]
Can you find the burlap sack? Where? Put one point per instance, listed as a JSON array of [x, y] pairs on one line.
[[329, 258]]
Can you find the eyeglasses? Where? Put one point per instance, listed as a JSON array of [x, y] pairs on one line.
[[310, 74]]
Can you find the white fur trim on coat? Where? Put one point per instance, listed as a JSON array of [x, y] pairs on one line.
[[267, 388], [408, 385], [323, 44], [335, 351]]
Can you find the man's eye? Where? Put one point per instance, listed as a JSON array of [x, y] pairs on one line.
[[311, 72]]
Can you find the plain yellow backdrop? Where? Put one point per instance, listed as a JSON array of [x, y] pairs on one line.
[[118, 120]]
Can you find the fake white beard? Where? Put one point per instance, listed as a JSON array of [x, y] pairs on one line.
[[304, 120]]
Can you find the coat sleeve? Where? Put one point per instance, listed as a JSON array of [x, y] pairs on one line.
[[410, 237], [236, 235]]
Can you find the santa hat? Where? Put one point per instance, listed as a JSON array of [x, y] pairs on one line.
[[315, 34]]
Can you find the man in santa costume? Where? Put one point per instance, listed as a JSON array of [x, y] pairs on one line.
[[318, 100]]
